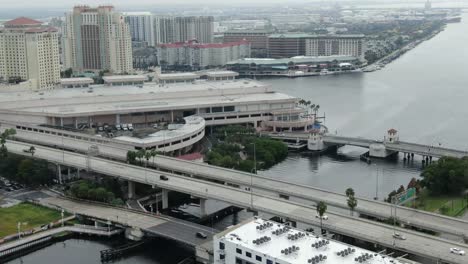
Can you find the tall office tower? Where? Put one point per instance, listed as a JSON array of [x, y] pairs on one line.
[[181, 29], [141, 26], [97, 39], [29, 51]]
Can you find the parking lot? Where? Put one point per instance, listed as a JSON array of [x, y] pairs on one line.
[[12, 193]]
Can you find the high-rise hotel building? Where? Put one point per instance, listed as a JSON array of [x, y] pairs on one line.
[[96, 39], [29, 52]]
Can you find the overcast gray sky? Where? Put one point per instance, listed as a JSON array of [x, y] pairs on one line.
[[135, 3]]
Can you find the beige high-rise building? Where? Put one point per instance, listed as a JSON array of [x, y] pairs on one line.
[[170, 29], [96, 39], [29, 52]]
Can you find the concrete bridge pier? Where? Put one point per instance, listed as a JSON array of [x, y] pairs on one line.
[[165, 198], [59, 173], [131, 190], [203, 207]]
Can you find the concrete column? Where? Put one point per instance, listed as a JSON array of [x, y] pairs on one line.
[[131, 190], [78, 173], [69, 173], [172, 116], [165, 198], [117, 118], [59, 171], [61, 121], [202, 207], [76, 122]]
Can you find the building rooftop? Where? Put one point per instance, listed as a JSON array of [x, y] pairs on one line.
[[125, 78], [192, 124], [79, 80], [220, 73], [22, 21], [203, 46], [178, 76], [289, 245], [305, 35], [295, 60], [102, 99]]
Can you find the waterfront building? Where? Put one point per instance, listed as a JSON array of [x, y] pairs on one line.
[[239, 101], [196, 55], [97, 39], [29, 52], [267, 242], [328, 45], [141, 25], [286, 45], [258, 40], [280, 67], [298, 44]]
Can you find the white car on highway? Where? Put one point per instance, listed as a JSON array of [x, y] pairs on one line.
[[324, 217], [457, 251]]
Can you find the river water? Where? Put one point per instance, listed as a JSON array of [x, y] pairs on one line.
[[423, 94]]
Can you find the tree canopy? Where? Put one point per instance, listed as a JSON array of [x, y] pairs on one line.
[[446, 176]]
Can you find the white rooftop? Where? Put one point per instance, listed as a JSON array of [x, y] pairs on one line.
[[79, 80], [304, 242], [192, 124], [102, 99], [220, 73], [178, 76], [124, 78]]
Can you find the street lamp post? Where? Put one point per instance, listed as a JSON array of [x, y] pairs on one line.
[[19, 230], [62, 214]]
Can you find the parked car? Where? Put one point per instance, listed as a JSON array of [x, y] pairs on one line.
[[100, 129], [324, 217], [163, 178], [201, 235], [399, 236], [457, 251], [118, 127], [155, 126], [130, 127]]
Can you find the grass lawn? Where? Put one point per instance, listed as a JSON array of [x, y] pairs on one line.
[[28, 214], [451, 206]]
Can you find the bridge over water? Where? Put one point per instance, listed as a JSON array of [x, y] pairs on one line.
[[416, 243]]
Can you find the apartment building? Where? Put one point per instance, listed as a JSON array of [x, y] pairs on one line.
[[298, 44], [198, 55], [29, 52], [96, 39], [258, 39]]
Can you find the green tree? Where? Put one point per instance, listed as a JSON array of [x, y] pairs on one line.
[[32, 150], [321, 209], [101, 194], [349, 192], [352, 203], [3, 138], [131, 157]]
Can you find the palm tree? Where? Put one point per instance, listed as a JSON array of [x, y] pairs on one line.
[[140, 155], [131, 156], [154, 153], [352, 203], [321, 209], [32, 150], [147, 157], [349, 192]]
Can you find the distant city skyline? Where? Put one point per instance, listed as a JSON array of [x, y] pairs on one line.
[[199, 3]]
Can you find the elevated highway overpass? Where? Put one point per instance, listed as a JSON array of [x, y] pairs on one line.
[[416, 243], [261, 184]]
